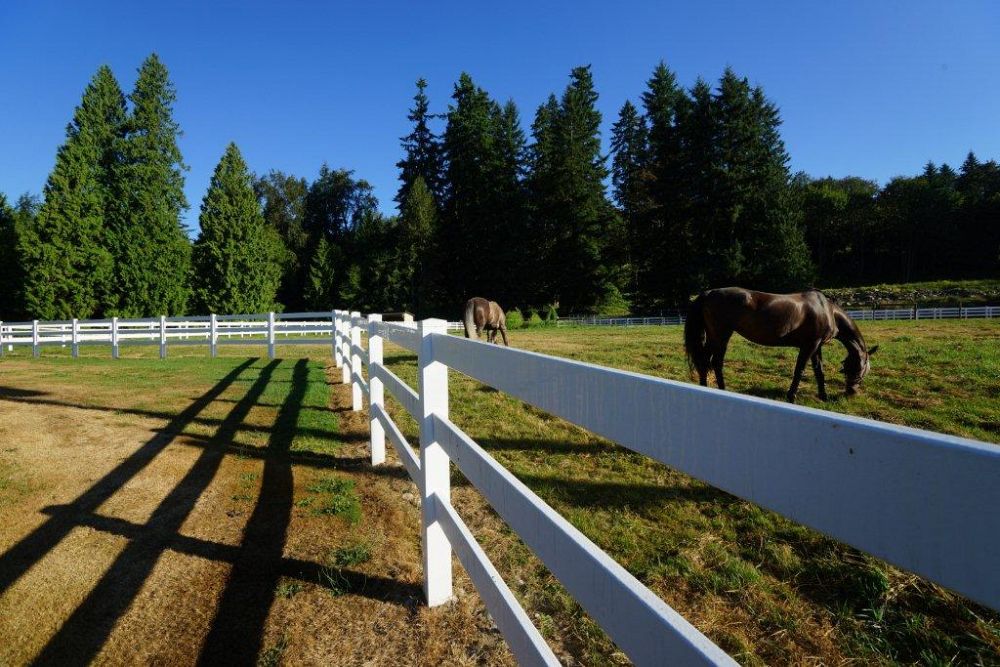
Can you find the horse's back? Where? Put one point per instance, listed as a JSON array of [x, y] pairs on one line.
[[767, 318]]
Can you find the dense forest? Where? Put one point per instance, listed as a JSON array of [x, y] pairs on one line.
[[696, 192]]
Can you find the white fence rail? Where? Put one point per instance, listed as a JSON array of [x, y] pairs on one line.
[[269, 329], [921, 500], [972, 312]]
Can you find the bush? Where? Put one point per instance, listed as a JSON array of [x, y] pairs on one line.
[[534, 320], [551, 314], [515, 320]]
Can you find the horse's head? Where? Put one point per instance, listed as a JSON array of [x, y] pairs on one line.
[[856, 367]]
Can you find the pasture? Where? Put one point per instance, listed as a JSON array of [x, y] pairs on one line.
[[149, 501]]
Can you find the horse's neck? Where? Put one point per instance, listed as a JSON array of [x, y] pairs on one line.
[[849, 335]]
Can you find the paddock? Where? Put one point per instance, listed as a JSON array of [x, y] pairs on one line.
[[177, 489]]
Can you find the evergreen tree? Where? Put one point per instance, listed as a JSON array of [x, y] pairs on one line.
[[234, 265], [283, 200], [418, 255], [68, 268], [511, 243], [320, 287], [542, 188], [631, 178], [422, 150], [151, 248], [584, 219], [11, 275]]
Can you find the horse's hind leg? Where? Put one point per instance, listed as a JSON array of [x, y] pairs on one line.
[[718, 359], [817, 364]]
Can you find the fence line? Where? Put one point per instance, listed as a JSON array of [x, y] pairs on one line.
[[921, 500], [973, 312], [270, 329]]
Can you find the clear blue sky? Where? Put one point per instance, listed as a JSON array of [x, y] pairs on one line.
[[873, 89]]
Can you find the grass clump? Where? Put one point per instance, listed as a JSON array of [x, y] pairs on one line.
[[287, 589], [515, 320], [336, 496], [348, 556]]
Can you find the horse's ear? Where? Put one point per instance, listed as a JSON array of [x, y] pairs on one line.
[[873, 350]]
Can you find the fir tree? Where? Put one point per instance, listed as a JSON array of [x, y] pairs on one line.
[[320, 286], [68, 268], [422, 150], [418, 254], [151, 248], [630, 177], [235, 269], [283, 201], [542, 187], [11, 275]]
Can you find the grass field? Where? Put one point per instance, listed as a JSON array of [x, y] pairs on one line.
[[289, 469]]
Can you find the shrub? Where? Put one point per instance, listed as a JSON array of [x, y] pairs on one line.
[[551, 314], [535, 320], [515, 320]]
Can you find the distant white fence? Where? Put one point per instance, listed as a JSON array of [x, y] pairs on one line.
[[269, 329], [975, 312], [923, 501]]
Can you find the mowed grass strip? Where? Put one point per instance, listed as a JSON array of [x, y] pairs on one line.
[[767, 590]]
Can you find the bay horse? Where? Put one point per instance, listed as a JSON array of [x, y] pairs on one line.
[[805, 320], [482, 315]]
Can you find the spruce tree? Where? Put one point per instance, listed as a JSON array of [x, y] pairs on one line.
[[151, 248], [234, 265], [507, 224], [542, 187], [422, 150], [320, 285], [68, 267]]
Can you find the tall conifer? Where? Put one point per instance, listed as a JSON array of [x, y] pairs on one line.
[[234, 266], [65, 254], [152, 251], [422, 150]]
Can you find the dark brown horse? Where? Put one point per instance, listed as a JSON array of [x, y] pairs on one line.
[[482, 315], [806, 320]]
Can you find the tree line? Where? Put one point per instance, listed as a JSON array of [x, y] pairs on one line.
[[701, 195]]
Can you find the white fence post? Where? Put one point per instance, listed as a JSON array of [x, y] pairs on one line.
[[376, 393], [213, 336], [35, 349], [1, 338], [163, 336], [75, 349], [345, 346], [333, 338], [114, 337], [434, 466], [355, 362], [338, 352], [270, 335]]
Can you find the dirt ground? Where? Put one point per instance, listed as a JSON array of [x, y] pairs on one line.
[[152, 535]]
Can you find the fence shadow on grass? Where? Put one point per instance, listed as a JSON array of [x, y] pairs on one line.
[[236, 633]]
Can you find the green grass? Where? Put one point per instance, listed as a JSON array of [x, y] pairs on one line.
[[769, 591], [336, 495]]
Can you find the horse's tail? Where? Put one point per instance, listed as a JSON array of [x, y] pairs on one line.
[[469, 318], [695, 343]]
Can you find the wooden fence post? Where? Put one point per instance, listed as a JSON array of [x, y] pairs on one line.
[[35, 348], [270, 335], [213, 336], [114, 337], [163, 336], [355, 362], [432, 382], [333, 339], [75, 349], [376, 393]]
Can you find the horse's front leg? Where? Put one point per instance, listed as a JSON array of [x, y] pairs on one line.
[[817, 364], [805, 353]]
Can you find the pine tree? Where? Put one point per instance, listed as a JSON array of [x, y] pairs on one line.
[[234, 265], [68, 268], [631, 178], [422, 150], [151, 248]]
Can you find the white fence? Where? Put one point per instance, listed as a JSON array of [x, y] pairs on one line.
[[923, 501], [975, 312], [269, 329]]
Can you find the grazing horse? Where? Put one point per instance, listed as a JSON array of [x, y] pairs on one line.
[[482, 315], [806, 320]]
